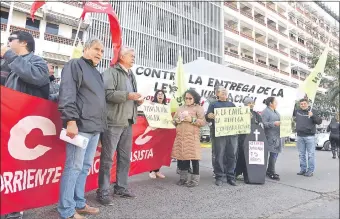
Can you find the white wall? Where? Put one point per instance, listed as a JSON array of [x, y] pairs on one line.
[[65, 30], [19, 19]]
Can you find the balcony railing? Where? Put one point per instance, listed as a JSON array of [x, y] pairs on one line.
[[293, 57], [261, 64], [295, 76], [232, 29], [284, 72], [292, 21], [3, 27], [58, 39], [248, 60], [302, 44], [299, 9], [78, 4], [272, 28], [261, 42], [303, 61], [35, 33], [247, 14], [232, 6], [283, 16], [272, 47], [273, 68], [247, 36], [284, 53], [232, 54], [283, 34], [262, 3], [270, 7], [260, 21]]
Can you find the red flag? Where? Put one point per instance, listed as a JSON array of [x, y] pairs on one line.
[[35, 6], [116, 33]]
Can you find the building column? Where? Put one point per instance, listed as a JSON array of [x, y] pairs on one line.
[[267, 59], [239, 48], [42, 29], [254, 54]]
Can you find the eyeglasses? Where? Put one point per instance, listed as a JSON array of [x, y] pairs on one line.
[[10, 39]]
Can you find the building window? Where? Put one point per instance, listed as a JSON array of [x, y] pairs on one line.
[[173, 27], [80, 34], [4, 17], [52, 28], [301, 40], [294, 72], [171, 56], [186, 32], [32, 25], [161, 23]]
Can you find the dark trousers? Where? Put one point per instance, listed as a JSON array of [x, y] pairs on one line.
[[212, 137], [115, 139], [241, 167], [185, 165], [271, 162], [335, 145], [225, 156]]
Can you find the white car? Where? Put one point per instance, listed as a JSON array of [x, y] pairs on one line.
[[322, 141]]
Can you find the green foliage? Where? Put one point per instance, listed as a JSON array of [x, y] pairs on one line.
[[327, 103]]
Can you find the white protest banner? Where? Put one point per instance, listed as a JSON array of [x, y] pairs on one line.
[[158, 115], [256, 152], [232, 121], [238, 84]]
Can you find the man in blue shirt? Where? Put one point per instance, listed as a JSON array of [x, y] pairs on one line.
[[225, 147]]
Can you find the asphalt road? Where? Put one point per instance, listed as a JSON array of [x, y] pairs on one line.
[[292, 197]]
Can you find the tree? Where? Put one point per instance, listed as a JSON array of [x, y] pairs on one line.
[[327, 103]]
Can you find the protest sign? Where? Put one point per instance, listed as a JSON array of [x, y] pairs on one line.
[[256, 152], [158, 115], [232, 121], [285, 126]]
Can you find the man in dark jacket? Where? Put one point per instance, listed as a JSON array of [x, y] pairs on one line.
[[82, 107], [306, 122], [54, 86], [28, 73], [224, 146], [23, 71], [122, 100]]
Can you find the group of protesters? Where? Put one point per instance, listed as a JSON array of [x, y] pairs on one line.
[[103, 107]]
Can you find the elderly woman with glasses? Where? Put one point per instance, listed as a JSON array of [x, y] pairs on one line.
[[187, 147]]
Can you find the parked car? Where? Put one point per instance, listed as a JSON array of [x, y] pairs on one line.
[[322, 141], [205, 134]]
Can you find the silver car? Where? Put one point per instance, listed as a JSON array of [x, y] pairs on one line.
[[322, 141]]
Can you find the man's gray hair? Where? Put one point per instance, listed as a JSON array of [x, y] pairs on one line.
[[89, 43], [125, 49]]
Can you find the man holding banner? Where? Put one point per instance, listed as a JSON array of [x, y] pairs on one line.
[[225, 147]]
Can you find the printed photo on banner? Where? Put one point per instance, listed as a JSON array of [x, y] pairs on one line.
[[158, 115], [232, 121], [256, 152]]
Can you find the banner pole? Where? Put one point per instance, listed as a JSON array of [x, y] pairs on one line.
[[76, 37], [10, 16]]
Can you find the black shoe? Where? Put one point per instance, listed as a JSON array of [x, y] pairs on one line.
[[273, 176], [301, 173], [308, 174], [105, 200], [232, 182], [123, 193], [14, 215], [218, 182]]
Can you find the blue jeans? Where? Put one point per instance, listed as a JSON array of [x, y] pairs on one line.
[[72, 184], [306, 145]]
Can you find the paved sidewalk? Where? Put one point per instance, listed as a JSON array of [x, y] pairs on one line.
[[293, 197]]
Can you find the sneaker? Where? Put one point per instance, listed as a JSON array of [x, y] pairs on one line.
[[308, 174], [104, 200], [239, 178], [173, 160], [123, 193], [160, 175], [231, 182], [301, 173], [152, 175], [76, 216], [273, 176], [218, 182], [88, 210]]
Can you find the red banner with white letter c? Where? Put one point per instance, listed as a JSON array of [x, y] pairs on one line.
[[33, 156]]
